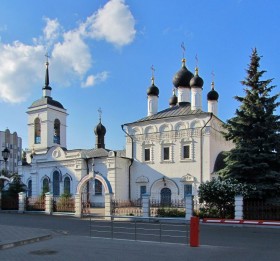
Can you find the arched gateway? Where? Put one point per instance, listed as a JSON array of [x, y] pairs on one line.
[[105, 183], [107, 188]]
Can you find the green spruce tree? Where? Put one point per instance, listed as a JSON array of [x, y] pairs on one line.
[[255, 131]]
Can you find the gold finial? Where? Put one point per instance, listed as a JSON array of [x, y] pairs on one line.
[[153, 74], [212, 85], [183, 62], [196, 71], [100, 113], [213, 79]]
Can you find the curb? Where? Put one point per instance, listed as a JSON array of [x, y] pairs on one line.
[[24, 242]]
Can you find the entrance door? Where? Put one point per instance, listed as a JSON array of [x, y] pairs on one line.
[[165, 197]]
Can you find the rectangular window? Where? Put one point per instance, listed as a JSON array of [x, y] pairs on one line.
[[187, 189], [186, 152], [166, 155], [37, 140], [142, 190], [147, 154]]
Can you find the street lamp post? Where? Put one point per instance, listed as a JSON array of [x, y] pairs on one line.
[[5, 155]]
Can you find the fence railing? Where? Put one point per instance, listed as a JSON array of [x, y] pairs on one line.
[[127, 207], [35, 203], [9, 201], [177, 203], [141, 229], [63, 204], [260, 210]]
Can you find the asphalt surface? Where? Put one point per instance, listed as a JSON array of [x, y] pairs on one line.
[[40, 237]]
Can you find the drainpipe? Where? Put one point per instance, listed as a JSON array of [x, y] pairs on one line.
[[201, 148], [131, 161]]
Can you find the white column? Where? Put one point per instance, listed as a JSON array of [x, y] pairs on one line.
[[238, 210], [108, 205], [184, 94], [48, 203], [78, 205], [21, 202], [213, 107], [152, 105], [189, 206], [196, 99], [146, 205]]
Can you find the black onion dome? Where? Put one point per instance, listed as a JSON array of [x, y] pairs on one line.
[[182, 77], [153, 90], [212, 95], [100, 129], [196, 81], [173, 99]]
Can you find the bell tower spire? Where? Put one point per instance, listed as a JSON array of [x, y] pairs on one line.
[[47, 89]]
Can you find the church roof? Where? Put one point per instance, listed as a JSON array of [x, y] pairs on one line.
[[183, 109], [96, 153], [46, 101]]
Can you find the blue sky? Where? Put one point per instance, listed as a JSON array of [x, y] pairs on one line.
[[101, 53]]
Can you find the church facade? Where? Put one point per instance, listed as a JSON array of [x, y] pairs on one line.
[[168, 153]]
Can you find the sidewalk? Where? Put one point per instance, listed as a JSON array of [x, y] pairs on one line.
[[12, 236]]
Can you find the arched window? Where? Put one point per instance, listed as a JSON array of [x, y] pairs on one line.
[[37, 131], [56, 185], [165, 197], [46, 185], [29, 188], [56, 135], [98, 187], [67, 185]]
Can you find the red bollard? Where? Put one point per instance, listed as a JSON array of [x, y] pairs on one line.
[[194, 232]]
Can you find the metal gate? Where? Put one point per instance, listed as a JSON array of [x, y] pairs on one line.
[[141, 229], [9, 201]]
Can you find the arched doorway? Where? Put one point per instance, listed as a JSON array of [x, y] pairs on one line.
[[165, 197], [103, 188]]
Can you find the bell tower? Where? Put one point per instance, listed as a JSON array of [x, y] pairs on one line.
[[46, 121]]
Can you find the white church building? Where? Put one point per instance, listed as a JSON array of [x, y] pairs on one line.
[[168, 153]]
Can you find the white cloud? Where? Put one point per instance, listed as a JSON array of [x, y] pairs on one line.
[[73, 53], [18, 62], [51, 30], [114, 23], [95, 79], [21, 65]]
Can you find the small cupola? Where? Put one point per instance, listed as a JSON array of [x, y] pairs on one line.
[[212, 98], [173, 99], [212, 95], [196, 81], [153, 90], [152, 93], [100, 132]]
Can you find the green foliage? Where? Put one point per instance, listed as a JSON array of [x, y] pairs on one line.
[[255, 131], [16, 185], [170, 212], [217, 196], [66, 195]]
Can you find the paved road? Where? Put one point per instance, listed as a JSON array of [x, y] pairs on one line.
[[71, 241]]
